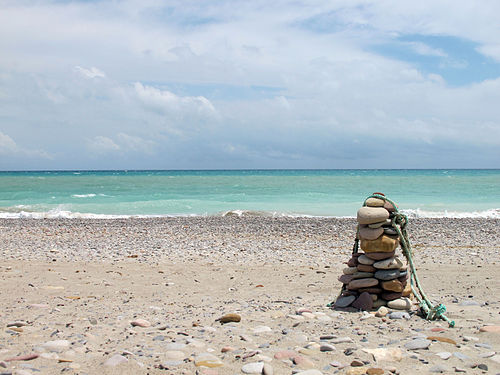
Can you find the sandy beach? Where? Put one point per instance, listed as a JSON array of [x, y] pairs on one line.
[[143, 296]]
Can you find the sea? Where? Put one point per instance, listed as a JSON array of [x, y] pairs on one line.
[[278, 193]]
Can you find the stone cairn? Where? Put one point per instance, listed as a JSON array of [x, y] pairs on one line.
[[375, 276]]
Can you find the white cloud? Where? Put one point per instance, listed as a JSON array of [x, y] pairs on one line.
[[136, 144], [424, 49], [102, 145], [7, 145], [93, 72], [10, 148]]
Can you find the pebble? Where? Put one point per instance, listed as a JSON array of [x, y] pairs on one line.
[[375, 371], [140, 323], [400, 304], [461, 356], [439, 369], [309, 372], [384, 244], [381, 312], [340, 340], [493, 329], [362, 283], [442, 339], [175, 354], [387, 274], [375, 202], [444, 355], [418, 344], [115, 360], [363, 302], [267, 369], [230, 318], [207, 360], [388, 264], [363, 259], [326, 348], [385, 354], [262, 329], [253, 368], [368, 233], [399, 315]]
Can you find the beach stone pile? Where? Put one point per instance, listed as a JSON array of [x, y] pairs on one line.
[[376, 275]]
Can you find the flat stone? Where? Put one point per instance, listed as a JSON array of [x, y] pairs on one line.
[[391, 296], [303, 362], [349, 270], [389, 206], [399, 315], [388, 264], [372, 290], [140, 323], [390, 231], [362, 275], [370, 215], [363, 302], [491, 329], [344, 301], [392, 285], [175, 355], [353, 262], [439, 369], [363, 259], [227, 318], [379, 303], [253, 368], [380, 255], [375, 371], [345, 279], [115, 360], [383, 244], [341, 340], [326, 348], [400, 304], [407, 289], [207, 360], [366, 268], [461, 356], [442, 339], [356, 371], [385, 354], [362, 283], [285, 354], [262, 329], [379, 224], [387, 274], [367, 233], [417, 344], [444, 355], [267, 369], [375, 202], [309, 372]]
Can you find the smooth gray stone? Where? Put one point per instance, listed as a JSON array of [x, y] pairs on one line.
[[390, 231], [439, 369], [444, 355], [461, 356], [363, 259], [469, 303], [418, 344], [370, 215], [399, 315], [387, 274], [344, 301]]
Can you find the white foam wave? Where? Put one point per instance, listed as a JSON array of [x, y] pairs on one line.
[[493, 213], [83, 195]]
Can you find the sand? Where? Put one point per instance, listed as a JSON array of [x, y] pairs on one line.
[[71, 288]]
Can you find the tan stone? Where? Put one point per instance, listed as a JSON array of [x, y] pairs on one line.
[[393, 285], [384, 244], [407, 290], [375, 202], [370, 215], [366, 268], [367, 233], [362, 283]]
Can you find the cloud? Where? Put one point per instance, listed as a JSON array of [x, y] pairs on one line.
[[93, 72], [136, 144], [9, 148], [102, 145], [7, 144]]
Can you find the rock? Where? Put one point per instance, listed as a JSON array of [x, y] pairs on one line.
[[309, 372], [56, 346], [442, 339], [346, 279], [417, 344], [385, 354], [230, 318], [375, 202], [285, 354], [379, 224], [344, 301], [362, 283], [381, 312], [399, 315], [303, 362], [326, 348], [389, 206], [392, 285], [400, 304], [253, 368], [372, 290], [388, 264], [175, 355], [380, 255], [439, 369], [353, 262], [357, 363], [483, 367], [26, 357], [267, 369], [362, 275], [363, 302], [375, 371], [140, 323], [379, 303], [461, 356], [492, 329], [444, 355], [207, 360], [349, 270], [262, 329], [226, 349], [356, 371], [363, 259], [367, 233], [370, 215], [115, 360], [366, 268], [383, 244], [390, 296], [340, 340], [387, 274], [407, 289], [390, 231]]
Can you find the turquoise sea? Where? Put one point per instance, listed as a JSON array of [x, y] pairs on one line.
[[331, 193]]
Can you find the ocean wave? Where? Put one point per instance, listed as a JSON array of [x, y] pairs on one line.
[[91, 195], [27, 212]]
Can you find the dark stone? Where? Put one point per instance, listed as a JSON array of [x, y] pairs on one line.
[[370, 290], [390, 296], [346, 279], [365, 268], [363, 302], [387, 274], [353, 262]]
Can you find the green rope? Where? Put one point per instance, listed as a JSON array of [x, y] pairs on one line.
[[399, 222]]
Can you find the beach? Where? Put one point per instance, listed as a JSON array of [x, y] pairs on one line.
[[143, 296]]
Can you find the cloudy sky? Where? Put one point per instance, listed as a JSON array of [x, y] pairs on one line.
[[191, 84]]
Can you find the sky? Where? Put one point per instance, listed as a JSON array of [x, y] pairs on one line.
[[237, 84]]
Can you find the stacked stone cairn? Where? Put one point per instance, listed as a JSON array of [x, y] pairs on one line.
[[375, 276]]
